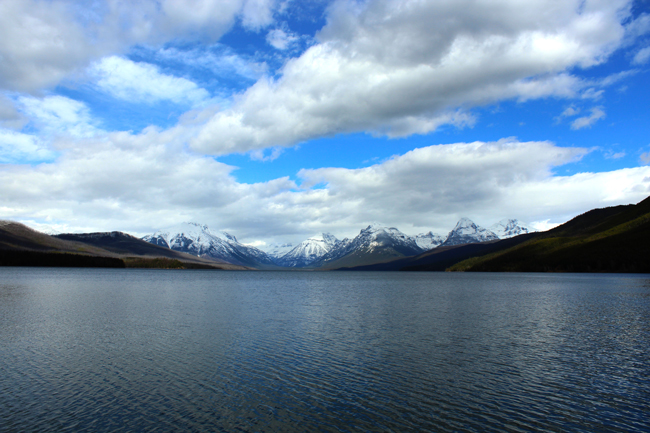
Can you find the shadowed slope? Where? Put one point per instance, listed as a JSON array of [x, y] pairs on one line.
[[23, 246], [615, 239]]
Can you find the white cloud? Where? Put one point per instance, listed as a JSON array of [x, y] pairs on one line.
[[257, 14], [398, 68], [19, 148], [58, 115], [570, 112], [39, 44], [218, 59], [279, 39], [642, 56], [592, 93], [139, 183], [143, 82], [610, 154], [44, 42], [597, 113]]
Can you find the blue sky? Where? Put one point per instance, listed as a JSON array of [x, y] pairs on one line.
[[277, 119]]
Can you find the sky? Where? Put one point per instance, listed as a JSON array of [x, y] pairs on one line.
[[275, 120]]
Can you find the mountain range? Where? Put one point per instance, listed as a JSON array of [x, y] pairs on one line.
[[199, 240], [23, 246], [375, 243], [613, 239]]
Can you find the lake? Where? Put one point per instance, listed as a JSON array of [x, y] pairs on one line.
[[158, 350]]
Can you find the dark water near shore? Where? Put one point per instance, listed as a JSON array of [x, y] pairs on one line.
[[141, 350]]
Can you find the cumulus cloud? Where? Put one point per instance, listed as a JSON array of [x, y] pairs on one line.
[[597, 113], [140, 183], [143, 82], [401, 67], [43, 42], [257, 14], [39, 44]]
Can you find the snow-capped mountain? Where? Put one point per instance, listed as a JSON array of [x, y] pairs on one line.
[[466, 232], [374, 243], [277, 250], [428, 241], [308, 251], [199, 240], [507, 228]]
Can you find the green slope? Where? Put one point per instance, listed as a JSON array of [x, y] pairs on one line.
[[615, 239]]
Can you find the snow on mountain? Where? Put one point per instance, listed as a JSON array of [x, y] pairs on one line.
[[277, 250], [428, 241], [466, 232], [375, 240], [507, 228], [199, 240], [308, 251]]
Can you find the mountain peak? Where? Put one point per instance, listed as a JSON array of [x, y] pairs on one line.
[[465, 222], [197, 239], [507, 228], [308, 251], [466, 232]]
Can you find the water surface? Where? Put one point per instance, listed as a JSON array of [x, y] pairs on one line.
[[153, 350]]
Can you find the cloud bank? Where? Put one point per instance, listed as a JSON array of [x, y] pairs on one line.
[[142, 183], [382, 67], [44, 42]]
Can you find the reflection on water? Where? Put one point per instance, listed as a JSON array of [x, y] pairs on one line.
[[140, 350]]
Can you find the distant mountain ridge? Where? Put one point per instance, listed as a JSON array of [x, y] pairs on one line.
[[199, 240], [429, 240], [614, 239], [467, 232], [23, 246], [507, 228], [308, 251], [376, 243]]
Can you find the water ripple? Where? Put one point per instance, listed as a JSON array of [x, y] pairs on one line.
[[137, 350]]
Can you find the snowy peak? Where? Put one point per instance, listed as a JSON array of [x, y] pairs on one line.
[[308, 251], [199, 240], [277, 250], [376, 240], [508, 228], [466, 226], [429, 240], [467, 232], [326, 238], [376, 231]]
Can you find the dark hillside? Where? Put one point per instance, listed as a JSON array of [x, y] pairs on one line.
[[441, 258], [615, 239], [23, 246], [125, 244]]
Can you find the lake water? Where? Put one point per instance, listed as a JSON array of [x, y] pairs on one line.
[[155, 350]]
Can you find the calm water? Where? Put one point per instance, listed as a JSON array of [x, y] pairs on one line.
[[140, 350]]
